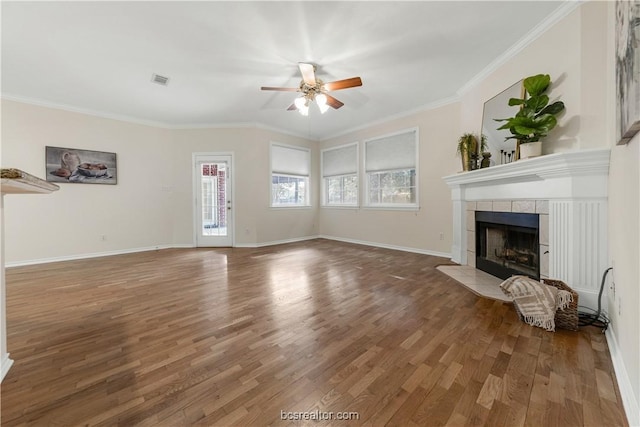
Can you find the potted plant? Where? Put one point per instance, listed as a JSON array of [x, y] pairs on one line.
[[469, 149], [536, 116]]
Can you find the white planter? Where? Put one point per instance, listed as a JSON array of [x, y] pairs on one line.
[[530, 149]]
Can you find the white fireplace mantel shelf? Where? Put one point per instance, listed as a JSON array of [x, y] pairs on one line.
[[575, 174], [573, 187]]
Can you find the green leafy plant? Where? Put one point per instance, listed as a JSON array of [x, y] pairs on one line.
[[469, 142], [536, 116]]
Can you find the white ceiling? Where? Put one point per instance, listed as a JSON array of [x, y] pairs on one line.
[[99, 57]]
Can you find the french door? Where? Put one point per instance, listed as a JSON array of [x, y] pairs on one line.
[[214, 215]]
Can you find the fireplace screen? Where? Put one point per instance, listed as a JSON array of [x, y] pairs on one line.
[[507, 244]]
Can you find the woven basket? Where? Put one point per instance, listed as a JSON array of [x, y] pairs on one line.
[[567, 318]]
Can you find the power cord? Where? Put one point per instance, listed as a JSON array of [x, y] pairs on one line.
[[595, 318]]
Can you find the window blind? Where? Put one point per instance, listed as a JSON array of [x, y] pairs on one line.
[[290, 160], [340, 161], [391, 152]]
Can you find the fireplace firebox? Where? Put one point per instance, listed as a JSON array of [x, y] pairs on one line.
[[507, 243]]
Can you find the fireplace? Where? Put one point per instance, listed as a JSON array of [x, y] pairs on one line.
[[508, 243]]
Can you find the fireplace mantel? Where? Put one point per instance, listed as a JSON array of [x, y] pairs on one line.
[[578, 169], [574, 187]]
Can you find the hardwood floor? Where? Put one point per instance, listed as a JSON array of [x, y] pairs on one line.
[[241, 336]]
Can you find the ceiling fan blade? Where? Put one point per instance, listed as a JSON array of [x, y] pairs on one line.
[[308, 73], [343, 84], [332, 102], [284, 89], [292, 107]]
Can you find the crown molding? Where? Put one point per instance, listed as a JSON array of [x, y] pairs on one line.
[[431, 106], [85, 111], [567, 7], [151, 123]]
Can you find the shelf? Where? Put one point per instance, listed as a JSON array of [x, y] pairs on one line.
[[15, 181]]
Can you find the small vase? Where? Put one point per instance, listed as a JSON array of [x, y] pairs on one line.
[[486, 160], [464, 155], [530, 149]]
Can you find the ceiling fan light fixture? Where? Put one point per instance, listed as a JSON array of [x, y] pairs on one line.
[[323, 108], [313, 88], [321, 99], [301, 102]]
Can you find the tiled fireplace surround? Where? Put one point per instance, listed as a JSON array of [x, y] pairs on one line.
[[567, 190], [540, 207]]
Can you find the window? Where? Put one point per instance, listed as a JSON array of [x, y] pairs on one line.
[[340, 175], [290, 168], [391, 169]]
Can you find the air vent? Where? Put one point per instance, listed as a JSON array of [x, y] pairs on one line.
[[161, 80]]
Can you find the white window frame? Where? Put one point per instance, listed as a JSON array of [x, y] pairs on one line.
[[307, 202], [392, 206], [325, 202]]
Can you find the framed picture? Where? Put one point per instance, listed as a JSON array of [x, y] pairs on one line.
[[80, 166], [627, 69]]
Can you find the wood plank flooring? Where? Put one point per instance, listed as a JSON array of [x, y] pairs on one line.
[[241, 336]]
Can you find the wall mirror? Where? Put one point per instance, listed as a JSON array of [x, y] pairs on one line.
[[498, 108]]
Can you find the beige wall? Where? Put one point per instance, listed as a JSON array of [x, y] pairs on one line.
[[152, 204], [148, 209], [135, 213], [419, 230], [574, 53], [255, 221], [624, 252]]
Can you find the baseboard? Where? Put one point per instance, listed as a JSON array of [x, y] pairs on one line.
[[385, 246], [629, 400], [275, 242], [5, 364], [587, 298], [237, 245], [90, 255]]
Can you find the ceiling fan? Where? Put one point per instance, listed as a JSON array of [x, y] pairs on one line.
[[314, 89]]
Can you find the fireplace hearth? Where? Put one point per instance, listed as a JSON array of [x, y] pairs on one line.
[[508, 243]]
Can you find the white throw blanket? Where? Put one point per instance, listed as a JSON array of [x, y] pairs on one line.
[[537, 303]]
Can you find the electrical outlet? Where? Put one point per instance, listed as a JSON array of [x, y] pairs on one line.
[[103, 237], [441, 236], [612, 288], [619, 306]]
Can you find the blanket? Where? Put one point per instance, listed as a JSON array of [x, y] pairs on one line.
[[536, 302]]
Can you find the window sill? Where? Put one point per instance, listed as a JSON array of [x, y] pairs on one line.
[[286, 207], [413, 208], [352, 207]]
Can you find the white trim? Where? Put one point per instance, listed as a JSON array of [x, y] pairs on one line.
[[92, 255], [390, 207], [195, 186], [86, 111], [364, 178], [323, 187], [629, 400], [385, 246], [308, 198], [138, 121], [237, 245], [427, 107], [289, 207], [5, 364], [533, 34], [276, 242]]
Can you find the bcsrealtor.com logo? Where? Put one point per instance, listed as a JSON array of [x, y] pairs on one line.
[[319, 416]]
